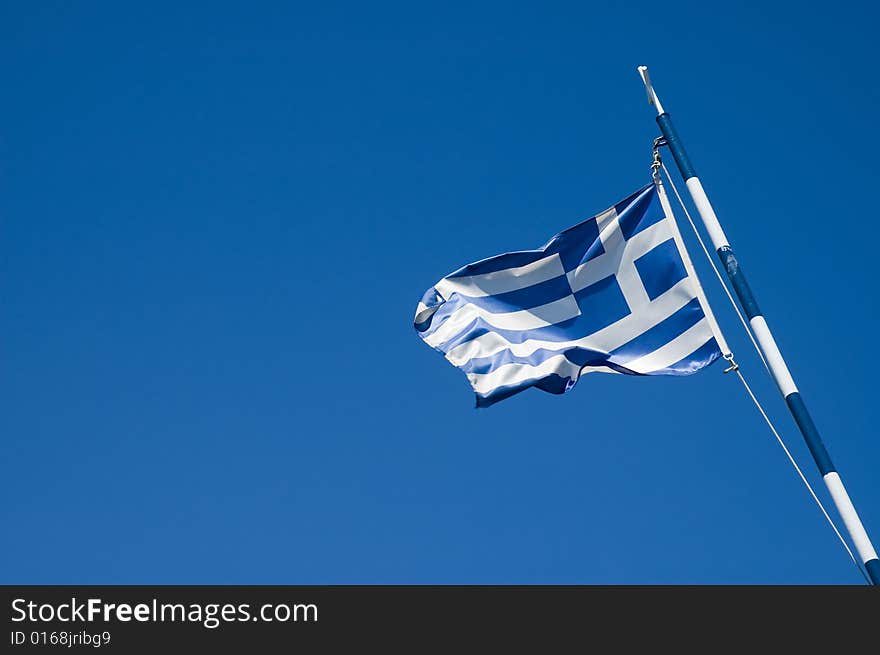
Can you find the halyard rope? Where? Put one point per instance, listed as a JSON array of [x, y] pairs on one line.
[[735, 368]]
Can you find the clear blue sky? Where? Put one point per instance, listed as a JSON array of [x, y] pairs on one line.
[[216, 222]]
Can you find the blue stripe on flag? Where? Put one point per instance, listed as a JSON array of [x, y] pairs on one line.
[[499, 263], [700, 358], [527, 298], [576, 355], [551, 383], [656, 337]]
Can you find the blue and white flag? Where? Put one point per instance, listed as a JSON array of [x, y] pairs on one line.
[[610, 294]]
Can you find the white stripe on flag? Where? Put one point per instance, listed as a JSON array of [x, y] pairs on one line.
[[509, 374], [509, 279], [525, 319], [598, 369], [683, 345]]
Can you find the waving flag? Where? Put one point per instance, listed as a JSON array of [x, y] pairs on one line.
[[610, 294]]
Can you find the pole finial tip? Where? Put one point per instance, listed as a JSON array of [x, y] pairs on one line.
[[649, 88]]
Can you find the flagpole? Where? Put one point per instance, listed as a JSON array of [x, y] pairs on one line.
[[766, 342]]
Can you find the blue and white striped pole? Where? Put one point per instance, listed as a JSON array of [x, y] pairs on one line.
[[768, 346]]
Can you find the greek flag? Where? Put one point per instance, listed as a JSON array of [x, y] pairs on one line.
[[610, 294]]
